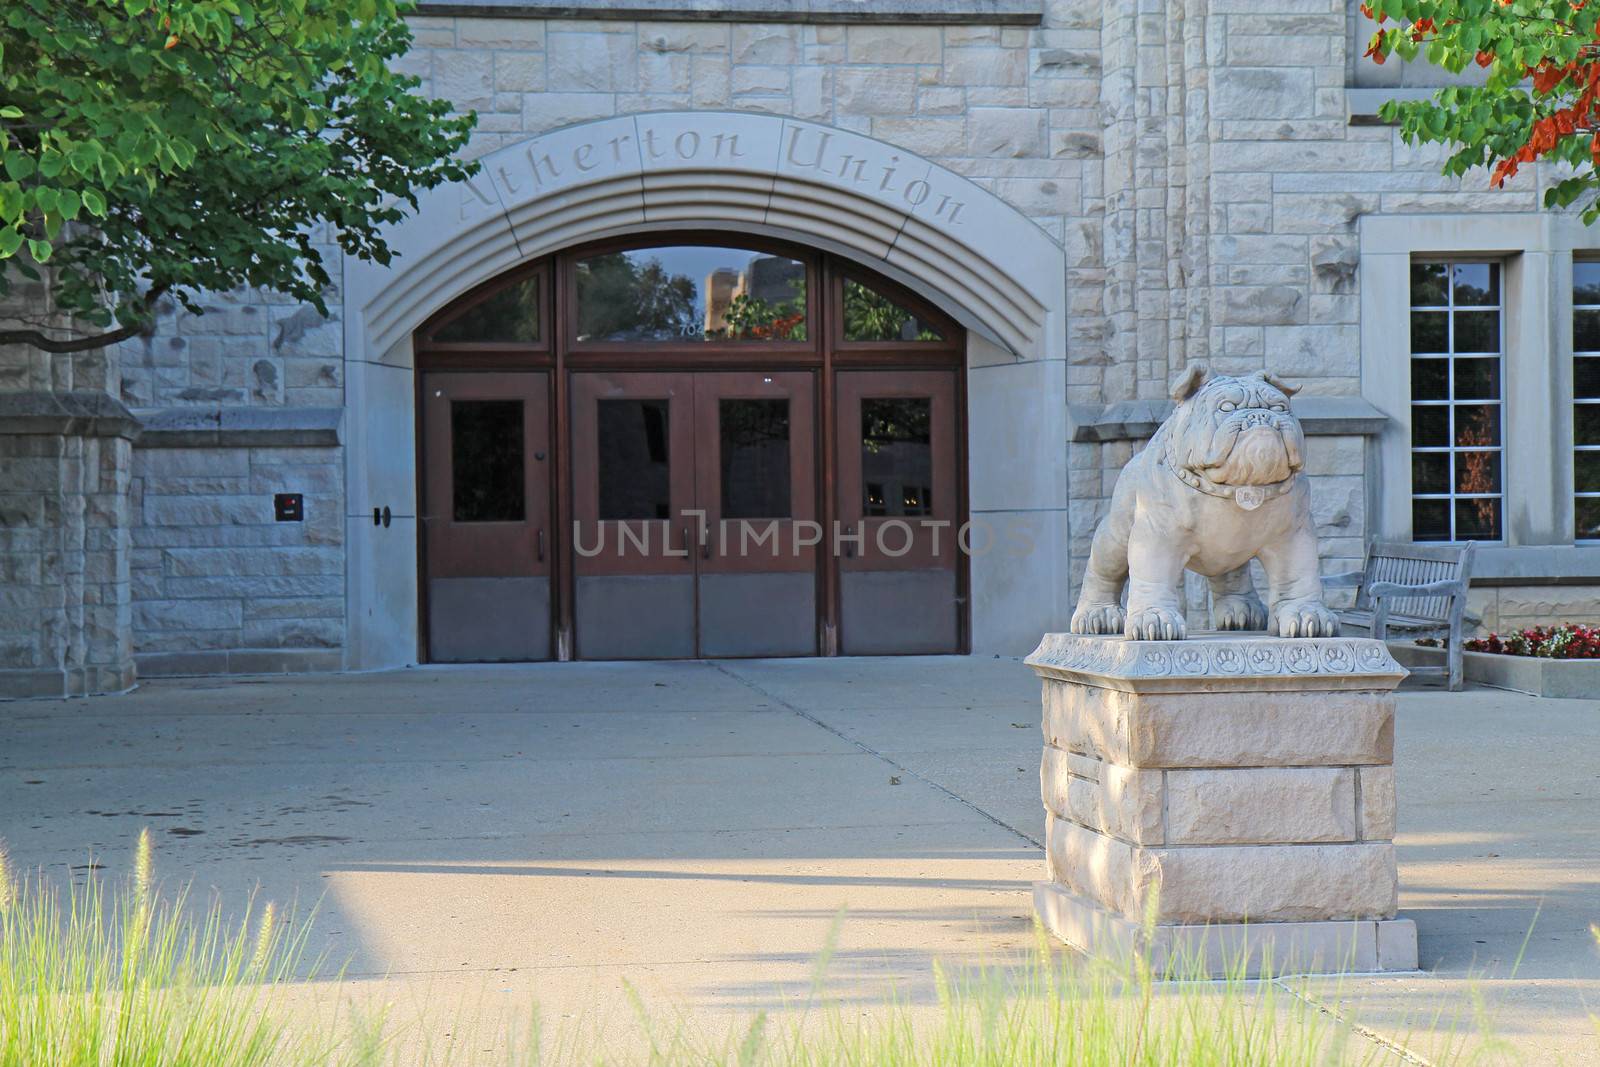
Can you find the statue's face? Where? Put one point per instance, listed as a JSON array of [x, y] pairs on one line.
[[1239, 431]]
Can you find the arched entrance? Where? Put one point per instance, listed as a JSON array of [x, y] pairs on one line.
[[687, 445], [739, 178]]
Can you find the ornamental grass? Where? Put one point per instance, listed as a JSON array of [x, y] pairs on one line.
[[93, 975]]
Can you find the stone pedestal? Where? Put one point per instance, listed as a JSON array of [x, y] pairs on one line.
[[1229, 795]]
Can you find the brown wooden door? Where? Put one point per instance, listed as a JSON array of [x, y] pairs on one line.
[[755, 479], [486, 515], [633, 510], [896, 503], [694, 514]]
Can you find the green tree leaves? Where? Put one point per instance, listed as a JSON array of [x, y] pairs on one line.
[[1540, 98], [173, 146]]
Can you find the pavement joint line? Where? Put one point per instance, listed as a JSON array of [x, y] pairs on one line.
[[902, 768], [1365, 1031]]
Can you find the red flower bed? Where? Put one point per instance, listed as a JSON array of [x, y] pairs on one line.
[[1570, 640]]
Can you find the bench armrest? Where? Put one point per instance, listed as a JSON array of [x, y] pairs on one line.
[[1347, 580], [1452, 587]]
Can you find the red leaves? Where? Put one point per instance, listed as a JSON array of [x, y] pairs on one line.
[[1583, 116], [1374, 50], [1366, 9], [1485, 58], [1546, 76]]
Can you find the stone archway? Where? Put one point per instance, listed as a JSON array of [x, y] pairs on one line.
[[925, 226]]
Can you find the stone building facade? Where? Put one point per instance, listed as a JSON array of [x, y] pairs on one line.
[[1095, 193]]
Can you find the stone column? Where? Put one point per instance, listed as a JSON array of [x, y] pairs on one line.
[[1228, 795], [65, 601], [66, 448]]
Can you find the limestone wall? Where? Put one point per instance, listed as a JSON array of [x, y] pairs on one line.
[[1195, 159], [220, 586]]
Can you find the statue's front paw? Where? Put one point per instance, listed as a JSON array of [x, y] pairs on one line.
[[1309, 619], [1239, 613], [1098, 619], [1154, 624]]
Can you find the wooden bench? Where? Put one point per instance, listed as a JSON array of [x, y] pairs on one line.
[[1415, 588]]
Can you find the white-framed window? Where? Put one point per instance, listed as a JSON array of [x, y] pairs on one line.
[[1586, 399], [1457, 352]]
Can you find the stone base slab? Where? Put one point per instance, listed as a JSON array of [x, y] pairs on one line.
[[65, 682], [1350, 946], [239, 661]]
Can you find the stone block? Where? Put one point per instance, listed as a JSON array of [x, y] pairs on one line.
[[773, 43], [293, 633], [1300, 352], [466, 80], [1377, 803], [665, 72], [1094, 866], [1273, 883], [894, 44], [1258, 805], [548, 110], [1260, 305], [1261, 93], [1121, 801], [763, 81], [665, 37], [984, 66], [519, 72], [1005, 132], [1221, 729], [188, 615], [591, 62], [1218, 950], [500, 33], [874, 90], [925, 136]]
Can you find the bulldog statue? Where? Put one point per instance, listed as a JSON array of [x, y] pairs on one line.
[[1218, 485]]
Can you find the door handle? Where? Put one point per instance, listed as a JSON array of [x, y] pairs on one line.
[[686, 540], [705, 543], [541, 545]]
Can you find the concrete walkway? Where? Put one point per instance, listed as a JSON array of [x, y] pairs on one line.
[[547, 831]]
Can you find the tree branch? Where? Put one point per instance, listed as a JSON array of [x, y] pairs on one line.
[[39, 339]]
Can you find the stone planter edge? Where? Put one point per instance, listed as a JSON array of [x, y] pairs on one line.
[[1557, 678]]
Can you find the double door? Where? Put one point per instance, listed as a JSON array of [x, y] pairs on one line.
[[695, 524], [694, 514]]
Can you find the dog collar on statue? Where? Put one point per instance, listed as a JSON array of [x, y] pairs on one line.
[[1248, 497]]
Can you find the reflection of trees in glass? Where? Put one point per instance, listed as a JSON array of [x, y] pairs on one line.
[[624, 299], [512, 314], [871, 316], [752, 318], [888, 420]]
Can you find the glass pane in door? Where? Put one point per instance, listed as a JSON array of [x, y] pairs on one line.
[[486, 460], [634, 460], [896, 456], [755, 458]]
